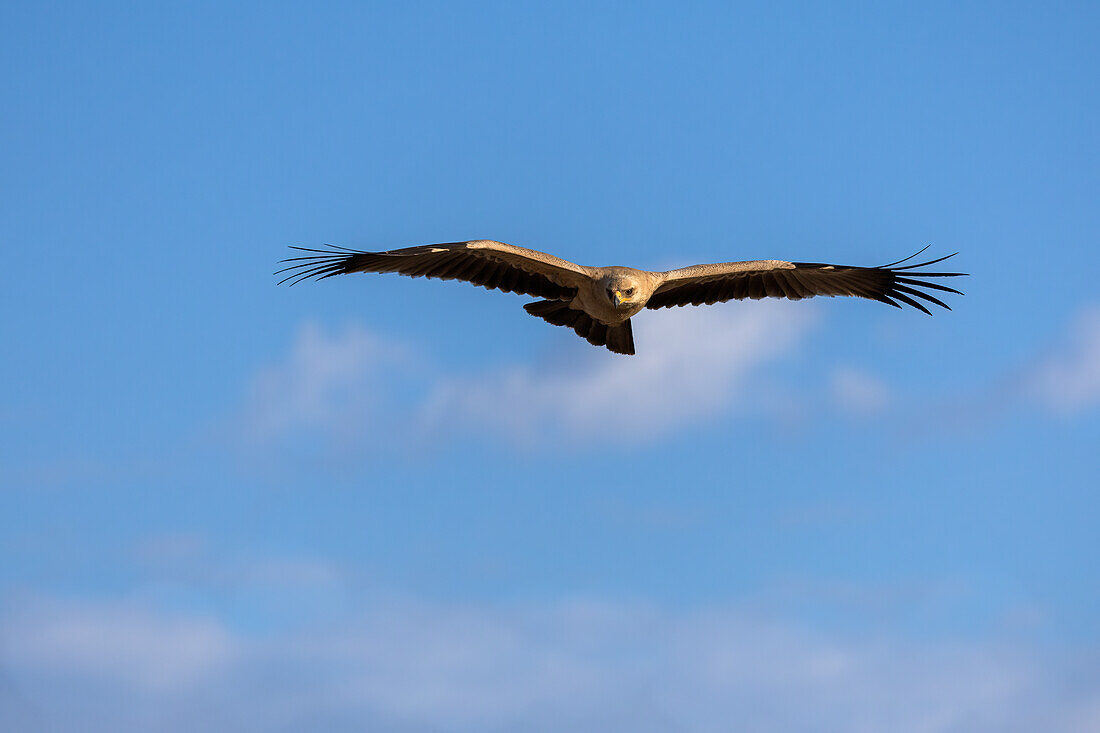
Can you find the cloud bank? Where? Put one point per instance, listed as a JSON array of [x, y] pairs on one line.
[[567, 665], [327, 382], [858, 392], [693, 364], [1068, 380], [357, 388]]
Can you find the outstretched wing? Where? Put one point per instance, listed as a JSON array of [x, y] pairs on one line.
[[796, 280], [488, 264]]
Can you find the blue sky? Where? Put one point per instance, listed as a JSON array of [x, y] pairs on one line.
[[404, 505]]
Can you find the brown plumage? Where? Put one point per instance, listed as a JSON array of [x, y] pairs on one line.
[[598, 302]]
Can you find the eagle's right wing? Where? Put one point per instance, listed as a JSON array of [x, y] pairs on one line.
[[483, 262]]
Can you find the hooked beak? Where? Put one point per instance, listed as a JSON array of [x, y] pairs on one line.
[[619, 299]]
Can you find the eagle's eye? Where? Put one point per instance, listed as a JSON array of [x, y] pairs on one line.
[[628, 292]]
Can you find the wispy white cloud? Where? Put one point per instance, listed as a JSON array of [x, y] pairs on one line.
[[172, 548], [858, 392], [193, 559], [329, 381], [117, 644], [693, 364], [574, 665], [1068, 380]]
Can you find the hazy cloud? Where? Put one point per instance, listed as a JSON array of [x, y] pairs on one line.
[[566, 665], [1068, 380], [120, 645], [329, 381], [192, 559], [858, 392], [692, 364]]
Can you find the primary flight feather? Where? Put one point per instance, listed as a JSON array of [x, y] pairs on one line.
[[598, 302]]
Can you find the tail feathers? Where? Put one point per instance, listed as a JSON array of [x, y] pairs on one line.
[[619, 339]]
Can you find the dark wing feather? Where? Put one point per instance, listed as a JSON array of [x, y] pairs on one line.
[[890, 284], [491, 265]]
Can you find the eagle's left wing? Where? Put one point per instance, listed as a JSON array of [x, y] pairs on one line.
[[724, 281]]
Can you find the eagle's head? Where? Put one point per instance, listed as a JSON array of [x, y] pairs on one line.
[[622, 290]]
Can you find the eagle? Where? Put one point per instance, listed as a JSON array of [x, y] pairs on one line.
[[598, 302]]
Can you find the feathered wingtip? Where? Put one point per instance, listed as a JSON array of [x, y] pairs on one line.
[[326, 263], [905, 284]]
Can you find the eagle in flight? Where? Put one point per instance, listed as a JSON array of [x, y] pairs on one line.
[[598, 302]]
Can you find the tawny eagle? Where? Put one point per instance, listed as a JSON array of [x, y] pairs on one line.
[[598, 302]]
